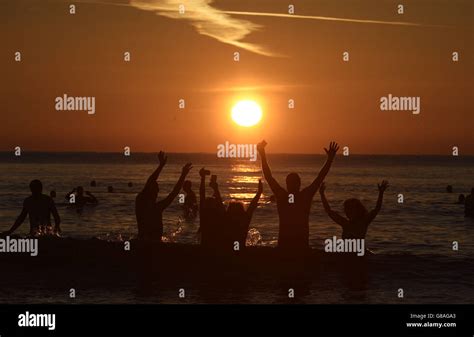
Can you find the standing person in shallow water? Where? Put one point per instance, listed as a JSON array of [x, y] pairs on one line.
[[294, 204], [236, 218], [358, 218], [148, 211], [211, 214], [39, 208]]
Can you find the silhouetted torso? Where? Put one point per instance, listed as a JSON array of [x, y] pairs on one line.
[[239, 228], [294, 219], [211, 227], [149, 215], [355, 229], [39, 209]]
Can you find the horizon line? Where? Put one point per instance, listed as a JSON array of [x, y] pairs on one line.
[[213, 153]]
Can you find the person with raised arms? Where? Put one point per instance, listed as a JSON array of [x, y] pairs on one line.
[[294, 204], [149, 212]]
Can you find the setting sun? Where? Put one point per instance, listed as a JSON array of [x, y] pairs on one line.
[[246, 113]]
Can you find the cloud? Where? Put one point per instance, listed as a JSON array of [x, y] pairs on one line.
[[207, 20], [225, 27]]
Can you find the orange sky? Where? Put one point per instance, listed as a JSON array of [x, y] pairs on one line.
[[281, 58]]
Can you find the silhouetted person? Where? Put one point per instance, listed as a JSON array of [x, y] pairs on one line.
[[93, 183], [39, 208], [130, 184], [449, 189], [211, 214], [294, 204], [52, 194], [149, 212], [81, 198], [469, 204], [190, 206], [358, 218], [461, 199], [239, 219], [110, 189]]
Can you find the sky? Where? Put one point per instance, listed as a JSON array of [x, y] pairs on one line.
[[190, 56]]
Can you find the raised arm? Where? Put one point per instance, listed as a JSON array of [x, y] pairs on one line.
[[18, 222], [373, 213], [179, 185], [254, 203], [217, 194], [331, 153], [57, 219], [154, 176], [202, 188], [336, 217], [68, 196], [267, 173]]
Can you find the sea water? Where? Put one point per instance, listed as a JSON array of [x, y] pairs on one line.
[[427, 222]]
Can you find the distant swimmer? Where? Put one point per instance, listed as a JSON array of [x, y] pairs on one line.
[[148, 211], [358, 218], [39, 208], [449, 189], [461, 199], [190, 206], [469, 204], [77, 198]]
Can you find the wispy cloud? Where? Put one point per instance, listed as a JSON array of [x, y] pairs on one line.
[[207, 20], [225, 27]]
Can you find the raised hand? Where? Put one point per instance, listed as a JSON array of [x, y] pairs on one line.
[[333, 147], [383, 186], [203, 172], [186, 169], [261, 146], [162, 158], [322, 188]]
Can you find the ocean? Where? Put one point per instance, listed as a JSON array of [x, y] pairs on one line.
[[423, 226]]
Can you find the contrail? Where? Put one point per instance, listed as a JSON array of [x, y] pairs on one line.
[[222, 25], [328, 18]]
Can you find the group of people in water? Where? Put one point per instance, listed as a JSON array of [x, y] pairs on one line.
[[221, 227]]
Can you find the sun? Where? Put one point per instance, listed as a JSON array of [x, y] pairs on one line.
[[246, 113]]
